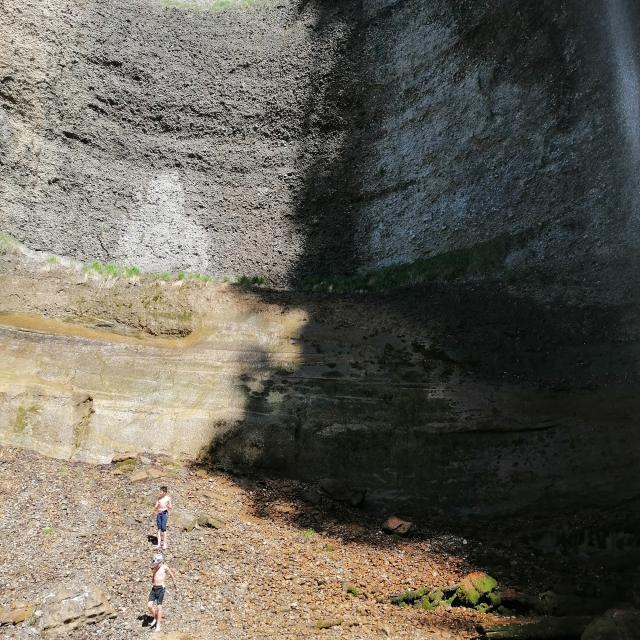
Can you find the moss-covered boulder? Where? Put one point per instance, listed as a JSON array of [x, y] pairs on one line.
[[411, 596], [477, 588]]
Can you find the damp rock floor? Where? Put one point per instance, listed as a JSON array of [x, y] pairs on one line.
[[280, 566]]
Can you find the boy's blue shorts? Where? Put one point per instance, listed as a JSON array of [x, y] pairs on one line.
[[161, 520]]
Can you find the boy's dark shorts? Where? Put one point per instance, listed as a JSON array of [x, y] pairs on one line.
[[161, 520], [157, 594]]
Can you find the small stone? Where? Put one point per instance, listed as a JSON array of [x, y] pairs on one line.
[[396, 525], [201, 473], [327, 624], [156, 472], [137, 476], [145, 460]]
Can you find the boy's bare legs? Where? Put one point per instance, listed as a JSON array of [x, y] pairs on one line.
[[159, 539], [164, 539], [158, 617], [151, 608]]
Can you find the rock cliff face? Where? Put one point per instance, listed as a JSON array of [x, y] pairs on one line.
[[311, 137], [488, 142], [443, 405]]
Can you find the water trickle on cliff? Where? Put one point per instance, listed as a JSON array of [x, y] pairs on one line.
[[628, 84]]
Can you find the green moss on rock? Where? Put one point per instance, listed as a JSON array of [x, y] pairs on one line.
[[23, 415], [479, 259], [477, 588], [410, 596], [466, 594], [483, 582]]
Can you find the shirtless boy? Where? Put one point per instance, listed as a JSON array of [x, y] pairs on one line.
[[162, 508], [156, 597]]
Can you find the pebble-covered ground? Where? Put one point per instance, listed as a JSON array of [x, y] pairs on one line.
[[280, 567]]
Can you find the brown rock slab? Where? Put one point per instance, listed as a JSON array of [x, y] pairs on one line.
[[209, 522], [137, 476], [16, 614], [127, 456], [156, 472], [183, 519], [71, 607]]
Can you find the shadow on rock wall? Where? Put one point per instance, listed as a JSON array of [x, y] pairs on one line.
[[471, 399], [452, 400], [327, 159]]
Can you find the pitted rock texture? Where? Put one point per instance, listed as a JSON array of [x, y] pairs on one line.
[[307, 137], [158, 136]]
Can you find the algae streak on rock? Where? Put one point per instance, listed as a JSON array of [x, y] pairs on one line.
[[75, 392]]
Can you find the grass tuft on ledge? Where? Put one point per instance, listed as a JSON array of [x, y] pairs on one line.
[[8, 244], [480, 259]]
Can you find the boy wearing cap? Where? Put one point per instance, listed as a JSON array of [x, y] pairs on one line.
[[156, 596]]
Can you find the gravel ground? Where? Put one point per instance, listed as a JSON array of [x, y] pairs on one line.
[[277, 569]]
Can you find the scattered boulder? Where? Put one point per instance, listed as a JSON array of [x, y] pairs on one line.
[[615, 624], [475, 587], [342, 492], [156, 472], [124, 456], [70, 607], [137, 476], [311, 495], [396, 525], [17, 613], [477, 590], [208, 521], [183, 519]]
